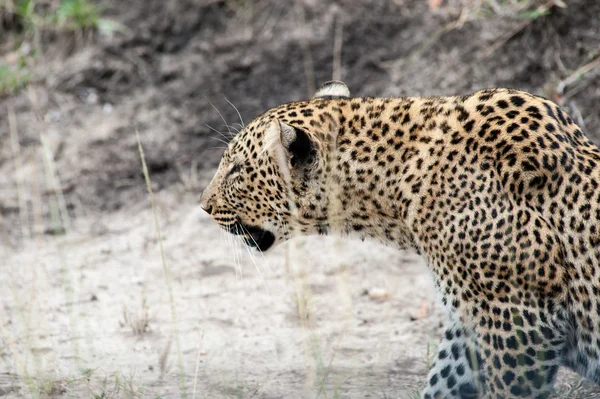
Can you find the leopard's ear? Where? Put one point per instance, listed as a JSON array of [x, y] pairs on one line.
[[289, 143], [299, 146], [332, 90]]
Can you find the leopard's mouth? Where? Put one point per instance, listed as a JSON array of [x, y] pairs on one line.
[[254, 236]]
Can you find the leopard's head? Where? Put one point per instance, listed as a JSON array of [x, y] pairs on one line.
[[273, 177]]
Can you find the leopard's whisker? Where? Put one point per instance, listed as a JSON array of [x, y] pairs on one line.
[[227, 139], [253, 260], [259, 251], [224, 121], [235, 253], [230, 246], [220, 140], [238, 252], [236, 110], [232, 127]]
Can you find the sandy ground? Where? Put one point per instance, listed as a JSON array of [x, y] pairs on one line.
[[292, 324], [86, 307], [315, 318]]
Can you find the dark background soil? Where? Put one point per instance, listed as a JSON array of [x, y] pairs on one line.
[[179, 57]]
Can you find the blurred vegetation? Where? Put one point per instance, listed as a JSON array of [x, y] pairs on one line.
[[26, 20], [13, 77], [521, 9], [470, 10], [58, 15]]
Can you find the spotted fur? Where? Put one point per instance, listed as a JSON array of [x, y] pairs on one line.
[[498, 190]]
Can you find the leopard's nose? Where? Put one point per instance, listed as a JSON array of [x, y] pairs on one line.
[[207, 208], [206, 203]]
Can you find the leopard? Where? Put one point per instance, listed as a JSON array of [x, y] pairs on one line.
[[498, 190]]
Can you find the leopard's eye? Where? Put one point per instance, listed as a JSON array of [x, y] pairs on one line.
[[235, 170]]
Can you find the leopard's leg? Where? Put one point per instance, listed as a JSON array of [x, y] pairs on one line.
[[455, 370], [520, 348], [582, 349]]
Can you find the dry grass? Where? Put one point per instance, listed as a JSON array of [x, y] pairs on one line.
[[118, 386], [469, 10], [163, 359], [138, 323], [166, 270]]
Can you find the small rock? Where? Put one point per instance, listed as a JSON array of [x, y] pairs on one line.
[[378, 293], [422, 312]]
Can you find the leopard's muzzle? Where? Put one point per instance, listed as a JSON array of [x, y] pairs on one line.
[[253, 236]]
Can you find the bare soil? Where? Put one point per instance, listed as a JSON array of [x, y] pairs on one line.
[[87, 306]]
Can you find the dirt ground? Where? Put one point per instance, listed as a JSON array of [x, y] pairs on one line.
[[88, 307]]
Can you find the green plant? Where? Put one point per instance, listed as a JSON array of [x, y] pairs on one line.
[[12, 78], [28, 19], [24, 10], [533, 14], [78, 14], [67, 15]]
